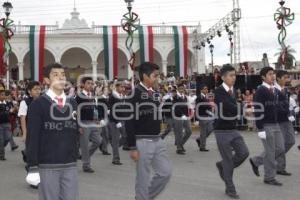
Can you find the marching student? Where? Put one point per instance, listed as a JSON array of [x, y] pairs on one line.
[[102, 107], [182, 123], [167, 112], [89, 123], [143, 128], [52, 139], [229, 140], [205, 117], [33, 91], [115, 103], [285, 120], [266, 114], [5, 126]]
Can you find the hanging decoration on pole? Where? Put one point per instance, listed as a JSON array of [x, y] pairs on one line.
[[6, 33], [130, 23], [283, 18]]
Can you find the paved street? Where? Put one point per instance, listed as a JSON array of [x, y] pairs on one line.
[[195, 176]]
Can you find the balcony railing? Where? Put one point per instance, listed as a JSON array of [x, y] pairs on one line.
[[96, 29]]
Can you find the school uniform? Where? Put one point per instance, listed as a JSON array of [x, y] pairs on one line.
[[5, 127], [144, 136], [228, 139], [182, 124], [205, 117], [167, 114], [102, 107], [286, 126], [273, 143], [52, 145], [91, 128], [116, 126]]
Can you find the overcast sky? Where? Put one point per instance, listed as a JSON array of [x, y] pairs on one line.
[[258, 29]]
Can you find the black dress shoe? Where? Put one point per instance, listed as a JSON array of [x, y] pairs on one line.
[[163, 136], [254, 167], [126, 148], [2, 158], [233, 195], [180, 152], [273, 182], [204, 149], [88, 170], [14, 148], [117, 162], [220, 169], [198, 142], [284, 173], [299, 147], [105, 153]]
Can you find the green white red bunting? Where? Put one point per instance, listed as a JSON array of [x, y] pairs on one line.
[[37, 44], [181, 50], [110, 39], [146, 44]]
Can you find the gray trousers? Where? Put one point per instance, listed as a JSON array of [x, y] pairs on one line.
[[288, 134], [206, 127], [90, 134], [227, 142], [115, 140], [273, 148], [153, 153], [105, 138], [59, 184], [183, 131], [170, 124], [5, 135]]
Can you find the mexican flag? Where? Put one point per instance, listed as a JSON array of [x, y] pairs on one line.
[[110, 39], [146, 44], [181, 50], [3, 57], [37, 44]]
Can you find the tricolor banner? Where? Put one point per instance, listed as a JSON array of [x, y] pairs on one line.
[[181, 50], [110, 39], [37, 44], [146, 44], [3, 57]]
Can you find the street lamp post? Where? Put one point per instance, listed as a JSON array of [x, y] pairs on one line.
[[230, 35], [211, 48], [7, 7]]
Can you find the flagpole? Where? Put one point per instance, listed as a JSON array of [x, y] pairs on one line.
[[7, 75]]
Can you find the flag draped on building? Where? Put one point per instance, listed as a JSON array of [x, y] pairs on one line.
[[181, 50], [146, 44], [37, 45], [3, 57], [110, 39]]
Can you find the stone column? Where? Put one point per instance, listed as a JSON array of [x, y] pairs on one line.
[[21, 71]]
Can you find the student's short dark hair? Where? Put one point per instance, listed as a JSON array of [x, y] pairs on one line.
[[226, 68], [31, 85], [281, 73], [265, 70], [7, 92], [48, 69], [147, 68], [85, 79], [180, 85]]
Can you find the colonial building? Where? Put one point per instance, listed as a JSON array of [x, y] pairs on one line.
[[80, 48]]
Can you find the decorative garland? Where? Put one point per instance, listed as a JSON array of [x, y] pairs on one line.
[[130, 23], [283, 18]]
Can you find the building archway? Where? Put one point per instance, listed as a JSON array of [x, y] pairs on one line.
[[122, 64], [157, 58], [13, 66], [76, 61], [48, 59], [171, 62]]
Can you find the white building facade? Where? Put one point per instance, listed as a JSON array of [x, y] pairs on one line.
[[80, 49]]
